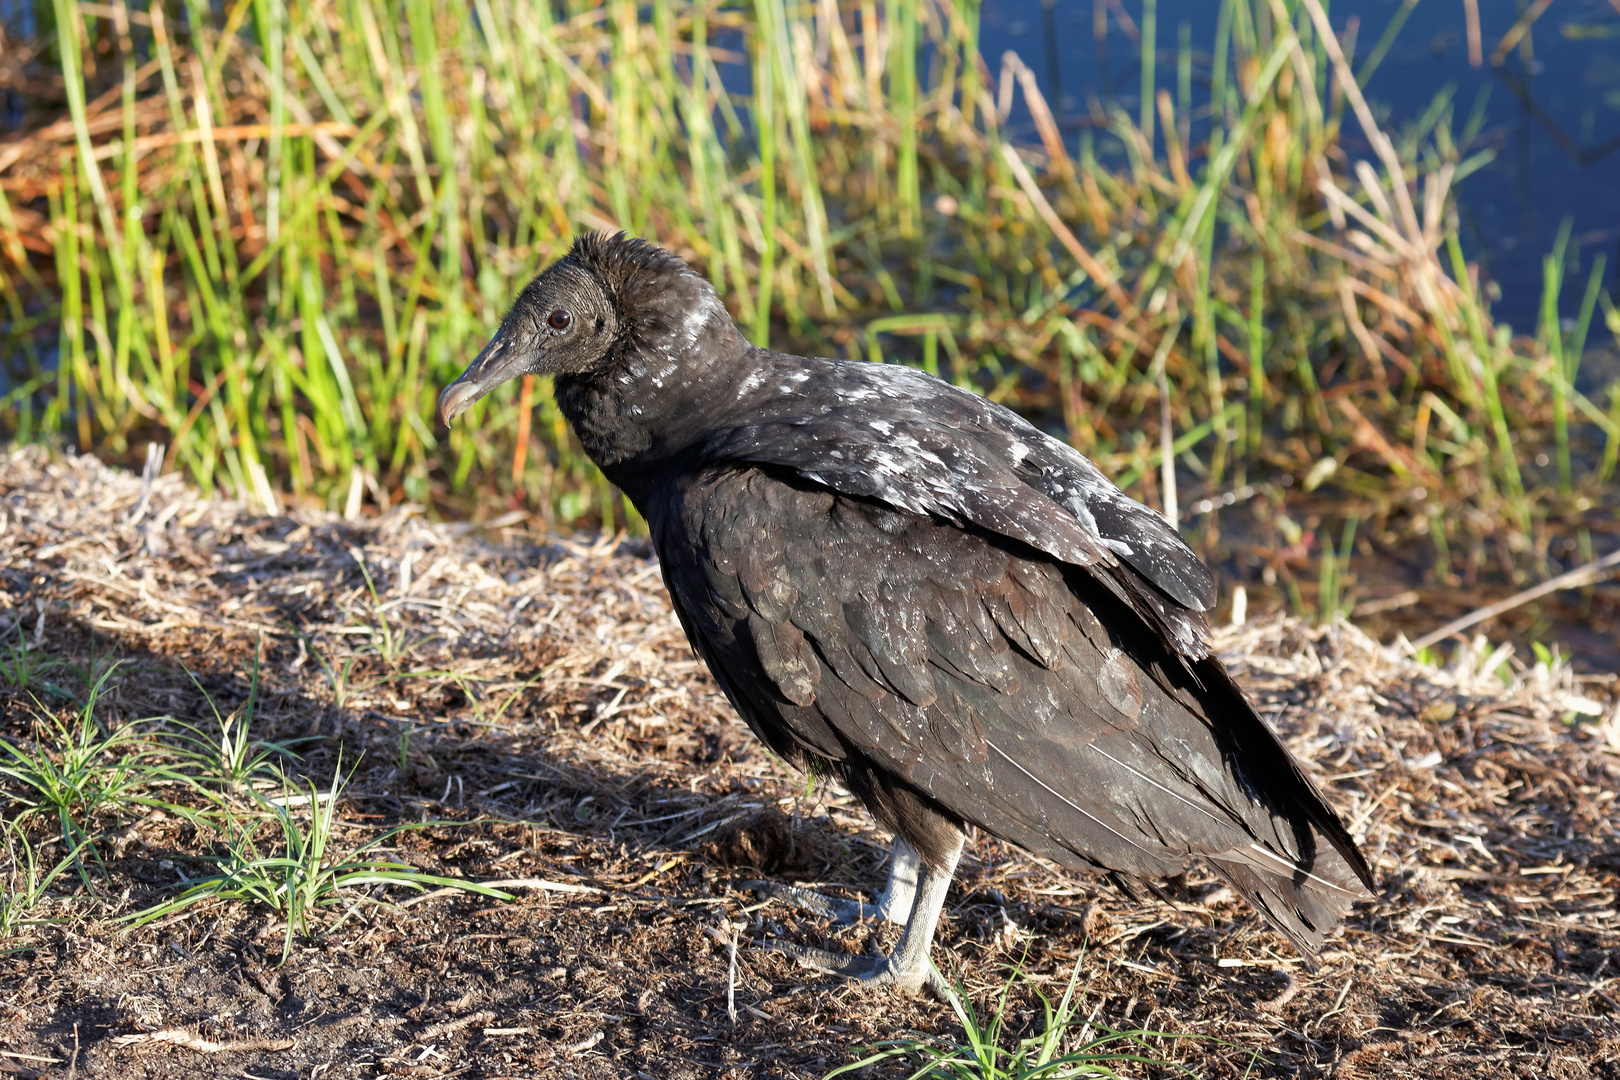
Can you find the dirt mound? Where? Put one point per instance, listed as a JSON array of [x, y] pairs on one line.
[[536, 694]]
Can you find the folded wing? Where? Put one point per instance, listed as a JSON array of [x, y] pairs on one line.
[[916, 443], [1003, 686]]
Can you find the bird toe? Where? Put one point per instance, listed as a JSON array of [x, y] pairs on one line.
[[840, 911], [868, 970]]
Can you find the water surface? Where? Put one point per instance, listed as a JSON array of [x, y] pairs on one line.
[[1550, 111]]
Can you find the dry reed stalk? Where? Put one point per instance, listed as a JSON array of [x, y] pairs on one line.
[[1041, 112], [1173, 147], [1087, 261], [1577, 578], [1516, 33], [1476, 53]]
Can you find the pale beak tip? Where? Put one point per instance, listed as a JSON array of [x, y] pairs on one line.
[[455, 400]]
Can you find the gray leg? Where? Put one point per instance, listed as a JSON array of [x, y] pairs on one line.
[[894, 904], [905, 869], [907, 967]]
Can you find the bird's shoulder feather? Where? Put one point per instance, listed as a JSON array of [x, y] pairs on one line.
[[919, 444]]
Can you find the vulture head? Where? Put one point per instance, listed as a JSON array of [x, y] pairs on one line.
[[609, 297]]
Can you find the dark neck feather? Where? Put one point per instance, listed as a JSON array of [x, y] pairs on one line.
[[672, 374]]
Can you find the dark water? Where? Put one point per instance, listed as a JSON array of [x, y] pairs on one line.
[[1552, 117]]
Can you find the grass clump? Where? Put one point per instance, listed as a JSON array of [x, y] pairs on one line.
[[300, 871], [27, 887], [1067, 1046], [77, 770], [228, 758], [279, 850], [24, 669]]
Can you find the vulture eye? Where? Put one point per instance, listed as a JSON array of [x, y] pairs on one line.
[[559, 320]]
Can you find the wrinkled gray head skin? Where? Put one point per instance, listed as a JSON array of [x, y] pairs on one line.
[[565, 321], [645, 356]]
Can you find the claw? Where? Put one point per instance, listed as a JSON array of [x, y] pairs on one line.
[[915, 895], [838, 911], [894, 904], [870, 970]]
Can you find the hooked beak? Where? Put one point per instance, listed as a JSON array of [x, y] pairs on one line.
[[502, 359]]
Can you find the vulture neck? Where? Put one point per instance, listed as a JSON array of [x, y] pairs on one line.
[[652, 406]]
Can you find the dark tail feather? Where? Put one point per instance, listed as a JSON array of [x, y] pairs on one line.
[[1303, 905], [1286, 784]]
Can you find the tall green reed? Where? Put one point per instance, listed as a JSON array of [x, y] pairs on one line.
[[269, 234]]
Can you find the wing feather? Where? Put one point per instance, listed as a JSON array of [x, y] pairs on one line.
[[917, 444], [1013, 690]]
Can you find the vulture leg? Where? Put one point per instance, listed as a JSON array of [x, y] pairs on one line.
[[907, 966], [893, 905]]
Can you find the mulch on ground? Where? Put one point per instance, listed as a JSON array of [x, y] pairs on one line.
[[536, 695]]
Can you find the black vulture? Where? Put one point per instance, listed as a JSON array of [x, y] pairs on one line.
[[911, 589]]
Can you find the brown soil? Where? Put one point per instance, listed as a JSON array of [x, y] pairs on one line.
[[555, 715]]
